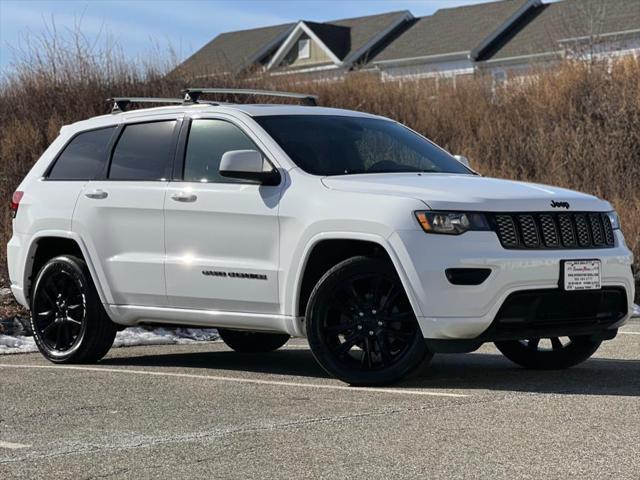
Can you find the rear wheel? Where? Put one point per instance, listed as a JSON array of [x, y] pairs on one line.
[[252, 342], [549, 353], [360, 324], [68, 321]]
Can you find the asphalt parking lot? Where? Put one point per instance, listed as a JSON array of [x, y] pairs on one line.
[[203, 411]]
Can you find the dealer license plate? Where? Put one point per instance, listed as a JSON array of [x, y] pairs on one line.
[[581, 275]]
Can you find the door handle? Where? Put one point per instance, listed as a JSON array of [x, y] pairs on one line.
[[184, 197], [96, 194]]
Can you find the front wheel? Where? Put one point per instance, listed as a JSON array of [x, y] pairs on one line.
[[360, 325], [550, 353]]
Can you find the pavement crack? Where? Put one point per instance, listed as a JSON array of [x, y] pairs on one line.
[[142, 441]]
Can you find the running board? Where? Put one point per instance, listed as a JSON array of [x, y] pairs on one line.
[[132, 315]]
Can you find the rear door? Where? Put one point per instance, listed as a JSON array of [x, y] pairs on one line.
[[120, 216], [221, 234], [81, 160]]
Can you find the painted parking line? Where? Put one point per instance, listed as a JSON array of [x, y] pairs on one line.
[[630, 333], [253, 381], [13, 446]]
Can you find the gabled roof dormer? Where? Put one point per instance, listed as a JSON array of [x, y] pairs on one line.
[[312, 43], [337, 44]]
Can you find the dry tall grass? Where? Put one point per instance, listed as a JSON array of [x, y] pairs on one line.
[[577, 126]]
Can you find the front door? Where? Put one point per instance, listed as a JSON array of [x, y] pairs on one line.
[[221, 234]]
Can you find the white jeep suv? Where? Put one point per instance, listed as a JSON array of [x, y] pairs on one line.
[[278, 221]]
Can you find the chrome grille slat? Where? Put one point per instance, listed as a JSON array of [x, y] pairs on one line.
[[608, 229], [549, 231], [507, 230], [582, 228], [567, 231], [529, 231], [596, 229], [540, 230]]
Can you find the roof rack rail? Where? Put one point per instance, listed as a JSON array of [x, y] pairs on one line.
[[120, 104], [192, 95]]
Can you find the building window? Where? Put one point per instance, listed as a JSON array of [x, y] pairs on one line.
[[304, 48], [499, 77]]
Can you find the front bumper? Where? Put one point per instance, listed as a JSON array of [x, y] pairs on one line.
[[447, 311]]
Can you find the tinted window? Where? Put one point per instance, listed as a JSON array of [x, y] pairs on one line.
[[208, 141], [84, 157], [143, 152], [340, 145]]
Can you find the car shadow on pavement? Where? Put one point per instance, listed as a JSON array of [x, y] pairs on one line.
[[486, 371], [298, 362], [475, 371]]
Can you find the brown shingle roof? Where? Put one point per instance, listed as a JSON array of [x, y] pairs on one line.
[[555, 22], [451, 30], [364, 29], [235, 51]]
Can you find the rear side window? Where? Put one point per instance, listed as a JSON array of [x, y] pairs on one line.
[[208, 141], [143, 152], [84, 157]]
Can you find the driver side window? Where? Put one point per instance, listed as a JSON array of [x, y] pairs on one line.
[[208, 140]]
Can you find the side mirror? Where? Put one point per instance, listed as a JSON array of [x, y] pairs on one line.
[[247, 165], [463, 160]]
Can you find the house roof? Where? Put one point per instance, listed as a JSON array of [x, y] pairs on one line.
[[235, 51], [453, 30], [350, 38], [335, 37], [552, 25], [365, 30]]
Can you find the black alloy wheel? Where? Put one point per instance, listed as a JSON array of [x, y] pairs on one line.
[[60, 311], [549, 353], [361, 326], [68, 321]]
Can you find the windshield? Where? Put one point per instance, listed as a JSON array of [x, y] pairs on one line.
[[340, 145]]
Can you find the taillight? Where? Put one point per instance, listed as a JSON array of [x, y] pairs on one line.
[[15, 202]]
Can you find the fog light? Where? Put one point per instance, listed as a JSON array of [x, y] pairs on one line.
[[467, 276]]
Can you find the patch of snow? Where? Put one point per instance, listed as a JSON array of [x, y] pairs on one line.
[[129, 337], [161, 336], [17, 344]]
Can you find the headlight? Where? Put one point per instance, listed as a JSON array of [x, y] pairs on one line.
[[614, 219], [451, 223]]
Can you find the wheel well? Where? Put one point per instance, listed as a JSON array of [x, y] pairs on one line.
[[46, 249], [328, 253]]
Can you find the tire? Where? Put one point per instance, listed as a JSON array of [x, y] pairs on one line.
[[252, 342], [360, 325], [531, 354], [67, 317]]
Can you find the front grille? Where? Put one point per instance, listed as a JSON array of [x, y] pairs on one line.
[[553, 230]]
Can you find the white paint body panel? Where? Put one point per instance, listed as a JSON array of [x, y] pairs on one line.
[[146, 252], [230, 228], [124, 234]]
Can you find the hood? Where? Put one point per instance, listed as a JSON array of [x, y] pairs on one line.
[[442, 191]]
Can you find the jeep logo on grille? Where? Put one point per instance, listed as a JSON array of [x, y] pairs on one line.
[[555, 204]]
